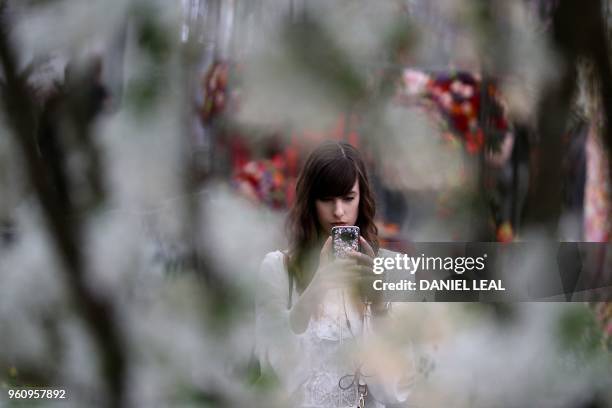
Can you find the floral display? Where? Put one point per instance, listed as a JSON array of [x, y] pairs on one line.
[[457, 96], [469, 114], [266, 182]]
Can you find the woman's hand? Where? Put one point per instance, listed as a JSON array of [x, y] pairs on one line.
[[365, 258], [363, 269], [353, 272], [331, 274]]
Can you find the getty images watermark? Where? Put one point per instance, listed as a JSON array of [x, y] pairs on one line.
[[411, 264], [496, 272]]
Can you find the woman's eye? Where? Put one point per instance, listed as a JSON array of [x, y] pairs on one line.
[[349, 198]]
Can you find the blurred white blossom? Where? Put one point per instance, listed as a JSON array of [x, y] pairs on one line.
[[69, 26], [239, 234], [278, 91], [412, 153]]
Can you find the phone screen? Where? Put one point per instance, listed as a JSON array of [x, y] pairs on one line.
[[345, 239]]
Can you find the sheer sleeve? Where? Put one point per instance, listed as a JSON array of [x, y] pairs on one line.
[[276, 346]]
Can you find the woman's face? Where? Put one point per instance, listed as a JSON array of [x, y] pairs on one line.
[[335, 211]]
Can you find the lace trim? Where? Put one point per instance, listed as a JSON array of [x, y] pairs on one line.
[[321, 390]]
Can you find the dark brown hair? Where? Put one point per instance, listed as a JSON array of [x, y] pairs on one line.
[[330, 171]]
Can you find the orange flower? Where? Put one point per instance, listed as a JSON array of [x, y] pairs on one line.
[[505, 233]]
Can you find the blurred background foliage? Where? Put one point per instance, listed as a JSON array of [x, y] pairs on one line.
[[148, 151]]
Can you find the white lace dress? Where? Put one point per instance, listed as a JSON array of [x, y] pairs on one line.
[[317, 367]]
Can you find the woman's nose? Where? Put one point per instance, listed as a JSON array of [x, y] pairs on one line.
[[338, 208]]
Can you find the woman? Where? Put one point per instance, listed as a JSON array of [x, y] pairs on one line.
[[312, 311]]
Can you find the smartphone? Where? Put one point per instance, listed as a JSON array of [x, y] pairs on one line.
[[345, 239]]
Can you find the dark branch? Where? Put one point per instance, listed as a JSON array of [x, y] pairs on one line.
[[96, 311]]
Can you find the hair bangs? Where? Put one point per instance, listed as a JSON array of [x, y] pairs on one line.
[[335, 179]]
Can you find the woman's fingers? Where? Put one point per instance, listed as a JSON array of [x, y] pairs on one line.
[[342, 263], [362, 259], [347, 272], [367, 248], [349, 267], [341, 270], [338, 266]]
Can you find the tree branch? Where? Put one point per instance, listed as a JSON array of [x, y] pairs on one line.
[[96, 311]]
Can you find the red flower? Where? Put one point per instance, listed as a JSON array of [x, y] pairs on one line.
[[461, 123], [474, 141]]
